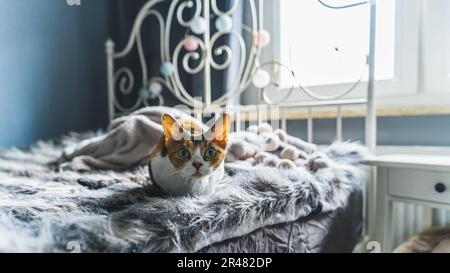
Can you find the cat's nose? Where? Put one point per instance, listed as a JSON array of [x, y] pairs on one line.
[[197, 164]]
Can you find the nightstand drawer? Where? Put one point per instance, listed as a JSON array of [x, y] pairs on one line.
[[420, 184]]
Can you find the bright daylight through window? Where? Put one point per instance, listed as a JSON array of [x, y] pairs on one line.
[[334, 50]]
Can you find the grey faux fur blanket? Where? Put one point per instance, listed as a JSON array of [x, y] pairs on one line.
[[43, 209]]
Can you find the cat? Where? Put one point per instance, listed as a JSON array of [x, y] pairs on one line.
[[189, 159]]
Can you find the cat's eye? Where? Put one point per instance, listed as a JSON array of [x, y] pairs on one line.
[[184, 154], [210, 152]]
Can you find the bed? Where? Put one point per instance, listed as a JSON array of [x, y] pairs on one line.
[[92, 193], [258, 209]]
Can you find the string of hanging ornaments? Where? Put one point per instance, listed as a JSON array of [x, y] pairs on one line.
[[198, 51]]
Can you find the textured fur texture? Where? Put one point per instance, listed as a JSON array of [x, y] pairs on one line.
[[44, 209]]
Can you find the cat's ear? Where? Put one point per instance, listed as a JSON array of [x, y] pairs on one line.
[[172, 130], [220, 130]]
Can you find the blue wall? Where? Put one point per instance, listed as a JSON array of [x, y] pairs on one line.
[[52, 69]]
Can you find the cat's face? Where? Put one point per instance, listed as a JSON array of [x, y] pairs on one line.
[[192, 151]]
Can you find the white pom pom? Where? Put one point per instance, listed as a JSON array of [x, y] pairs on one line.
[[198, 25], [302, 154], [271, 142], [272, 162], [237, 148], [281, 134], [261, 157], [252, 129], [155, 89], [265, 128], [251, 161], [224, 23], [289, 152], [286, 164], [261, 79], [301, 163], [318, 160]]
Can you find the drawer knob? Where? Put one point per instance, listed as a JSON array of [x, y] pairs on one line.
[[439, 187]]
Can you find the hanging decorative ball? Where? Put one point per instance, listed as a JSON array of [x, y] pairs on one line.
[[166, 69], [198, 25], [261, 38], [190, 43], [144, 94], [224, 23], [155, 88], [261, 79]]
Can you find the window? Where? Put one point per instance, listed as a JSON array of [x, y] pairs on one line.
[[436, 44], [326, 48]]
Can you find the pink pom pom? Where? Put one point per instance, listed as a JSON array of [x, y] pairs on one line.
[[190, 43], [261, 38]]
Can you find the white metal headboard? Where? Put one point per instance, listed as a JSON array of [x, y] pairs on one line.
[[169, 60]]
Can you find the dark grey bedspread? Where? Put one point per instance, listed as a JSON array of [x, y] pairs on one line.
[[334, 231]]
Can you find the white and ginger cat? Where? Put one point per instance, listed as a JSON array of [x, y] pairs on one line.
[[189, 160]]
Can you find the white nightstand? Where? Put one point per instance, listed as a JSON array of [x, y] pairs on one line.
[[418, 179]]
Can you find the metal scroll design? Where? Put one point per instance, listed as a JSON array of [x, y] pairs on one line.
[[208, 54]]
